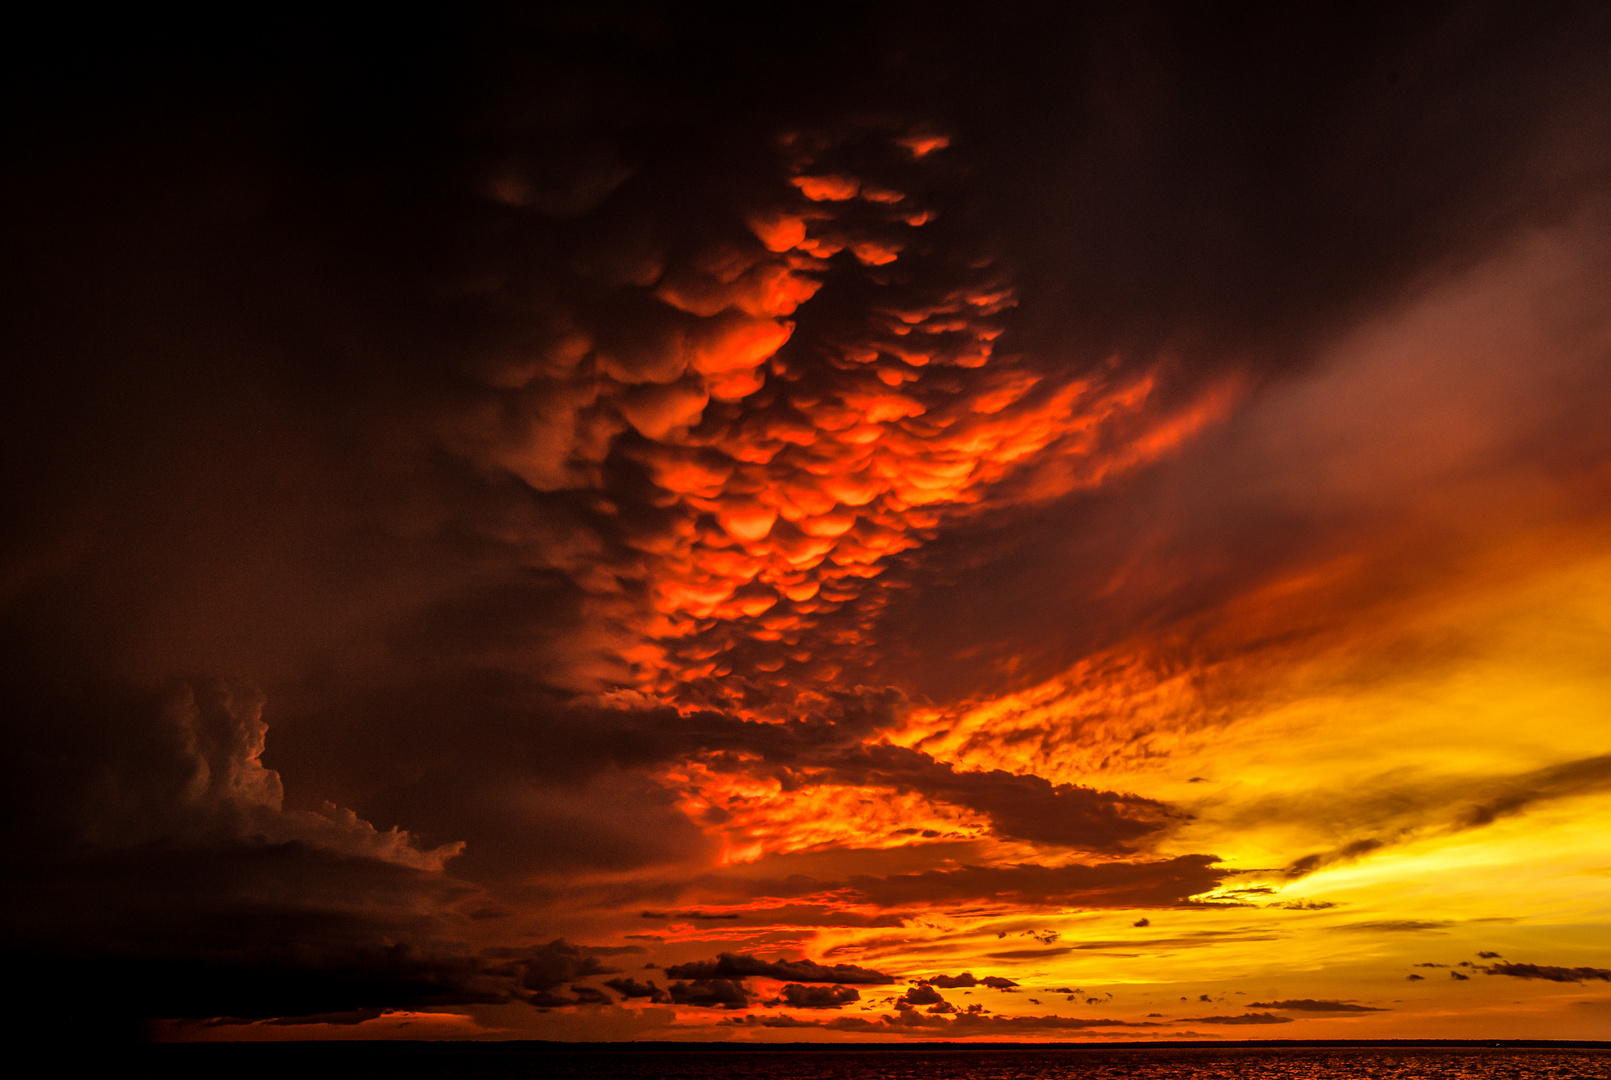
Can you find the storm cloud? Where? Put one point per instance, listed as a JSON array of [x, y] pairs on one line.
[[578, 474]]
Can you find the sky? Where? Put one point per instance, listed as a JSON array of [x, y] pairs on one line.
[[885, 522]]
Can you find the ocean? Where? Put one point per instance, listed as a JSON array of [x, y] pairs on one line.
[[430, 1061]]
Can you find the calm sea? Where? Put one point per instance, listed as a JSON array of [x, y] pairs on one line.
[[428, 1062]]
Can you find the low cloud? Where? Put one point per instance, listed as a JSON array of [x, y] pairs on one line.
[[816, 997], [632, 989], [742, 966], [951, 982], [711, 993], [1549, 973], [1243, 1018], [1167, 883], [1312, 1005]]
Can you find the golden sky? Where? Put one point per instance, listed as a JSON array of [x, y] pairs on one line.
[[1077, 527]]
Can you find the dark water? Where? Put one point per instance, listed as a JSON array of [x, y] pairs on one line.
[[422, 1062]]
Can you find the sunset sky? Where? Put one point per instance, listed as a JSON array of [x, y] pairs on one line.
[[862, 523]]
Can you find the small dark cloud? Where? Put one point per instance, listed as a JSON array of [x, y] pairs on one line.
[[1488, 956], [1462, 978], [1142, 922], [1414, 978]]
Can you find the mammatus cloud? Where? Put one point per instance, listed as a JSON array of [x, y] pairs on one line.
[[755, 481]]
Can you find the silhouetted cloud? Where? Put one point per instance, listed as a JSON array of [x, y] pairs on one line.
[[743, 966], [1312, 1005], [967, 979], [1549, 973], [711, 993], [632, 988], [817, 997], [1239, 1019]]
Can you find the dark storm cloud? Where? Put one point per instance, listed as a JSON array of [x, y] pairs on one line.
[[1274, 197], [743, 966], [828, 750], [334, 370], [1021, 807], [166, 857]]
